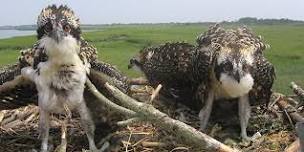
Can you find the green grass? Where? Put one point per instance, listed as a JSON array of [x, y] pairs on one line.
[[118, 44]]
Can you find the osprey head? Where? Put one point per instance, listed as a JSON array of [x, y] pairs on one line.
[[58, 32], [234, 64], [234, 69], [57, 23], [135, 63]]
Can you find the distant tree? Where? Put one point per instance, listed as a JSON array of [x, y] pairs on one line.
[[248, 20]]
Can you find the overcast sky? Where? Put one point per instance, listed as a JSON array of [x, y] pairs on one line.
[[21, 12]]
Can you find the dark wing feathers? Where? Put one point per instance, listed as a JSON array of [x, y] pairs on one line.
[[179, 67], [88, 53], [120, 81], [168, 62], [9, 72], [264, 75]]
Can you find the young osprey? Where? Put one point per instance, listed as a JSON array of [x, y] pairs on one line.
[[171, 65], [59, 68], [226, 64]]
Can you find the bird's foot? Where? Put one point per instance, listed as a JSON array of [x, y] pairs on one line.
[[247, 140]]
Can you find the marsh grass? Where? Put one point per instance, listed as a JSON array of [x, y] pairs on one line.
[[117, 44]]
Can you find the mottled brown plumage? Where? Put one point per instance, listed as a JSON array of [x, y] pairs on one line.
[[243, 41], [225, 64], [264, 75], [175, 66]]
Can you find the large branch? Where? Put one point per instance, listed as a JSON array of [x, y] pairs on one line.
[[103, 100], [184, 131]]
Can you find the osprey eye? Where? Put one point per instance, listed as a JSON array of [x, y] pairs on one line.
[[67, 28], [48, 28], [227, 67], [246, 68]]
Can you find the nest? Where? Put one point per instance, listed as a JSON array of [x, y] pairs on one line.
[[19, 129]]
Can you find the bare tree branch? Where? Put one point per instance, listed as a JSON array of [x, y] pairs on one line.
[[129, 121], [138, 81], [103, 100]]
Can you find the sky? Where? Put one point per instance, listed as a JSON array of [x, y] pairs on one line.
[[25, 12]]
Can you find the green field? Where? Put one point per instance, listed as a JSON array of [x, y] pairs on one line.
[[117, 44]]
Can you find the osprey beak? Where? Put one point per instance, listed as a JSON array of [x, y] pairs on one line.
[[132, 62], [130, 66], [57, 34], [237, 76]]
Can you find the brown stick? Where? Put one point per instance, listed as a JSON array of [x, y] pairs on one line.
[[155, 93], [283, 104], [184, 131], [152, 144], [138, 81]]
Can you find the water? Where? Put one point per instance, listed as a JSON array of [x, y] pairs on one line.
[[14, 33]]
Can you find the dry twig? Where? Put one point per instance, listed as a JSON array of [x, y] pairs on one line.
[[155, 93], [283, 104], [138, 81]]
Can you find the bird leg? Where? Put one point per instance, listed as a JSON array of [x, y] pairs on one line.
[[44, 126], [87, 124], [244, 115], [206, 110]]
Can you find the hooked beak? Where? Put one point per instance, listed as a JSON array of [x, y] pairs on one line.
[[130, 66], [132, 62], [57, 34], [237, 76]]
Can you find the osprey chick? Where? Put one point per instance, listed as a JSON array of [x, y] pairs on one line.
[[171, 65], [239, 70], [226, 64], [59, 69]]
